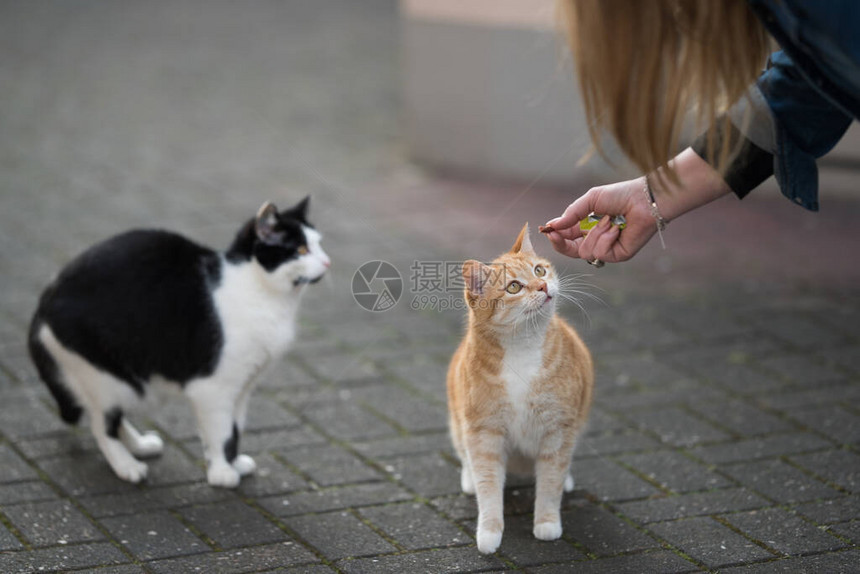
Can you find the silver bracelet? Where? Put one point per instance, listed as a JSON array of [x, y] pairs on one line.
[[658, 219]]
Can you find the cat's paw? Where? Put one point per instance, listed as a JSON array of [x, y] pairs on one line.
[[131, 470], [147, 445], [244, 465], [489, 539], [223, 475], [466, 482], [548, 531], [569, 483]]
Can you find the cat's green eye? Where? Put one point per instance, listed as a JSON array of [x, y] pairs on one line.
[[540, 270], [302, 250], [514, 287]]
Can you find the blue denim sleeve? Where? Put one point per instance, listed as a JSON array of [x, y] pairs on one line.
[[807, 125]]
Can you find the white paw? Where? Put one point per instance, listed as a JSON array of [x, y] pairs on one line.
[[466, 483], [244, 465], [569, 483], [133, 470], [149, 444], [223, 475], [488, 540], [548, 531]]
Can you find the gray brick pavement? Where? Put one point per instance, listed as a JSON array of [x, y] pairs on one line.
[[725, 431]]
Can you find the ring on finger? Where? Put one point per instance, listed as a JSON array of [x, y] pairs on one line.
[[597, 263]]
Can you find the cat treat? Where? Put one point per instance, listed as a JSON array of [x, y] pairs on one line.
[[591, 221], [150, 306], [519, 389]]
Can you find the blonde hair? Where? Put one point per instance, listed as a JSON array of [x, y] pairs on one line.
[[644, 65]]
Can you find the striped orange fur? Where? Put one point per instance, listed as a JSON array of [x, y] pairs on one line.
[[519, 389]]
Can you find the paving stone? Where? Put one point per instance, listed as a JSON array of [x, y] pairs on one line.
[[428, 475], [834, 563], [62, 558], [410, 412], [69, 443], [784, 532], [843, 357], [233, 524], [840, 467], [458, 507], [404, 445], [760, 447], [154, 535], [336, 498], [696, 504], [415, 526], [17, 492], [29, 418], [345, 366], [797, 330], [14, 467], [675, 471], [271, 478], [601, 445], [802, 369], [603, 533], [804, 397], [834, 421], [831, 511], [743, 419], [710, 542], [677, 427], [779, 481], [273, 440], [330, 465], [52, 522], [348, 421], [8, 540], [849, 530], [445, 560], [608, 481], [653, 561], [339, 535], [521, 547], [147, 499], [251, 559]]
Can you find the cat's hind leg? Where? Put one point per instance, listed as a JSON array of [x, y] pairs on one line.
[[106, 430], [102, 396], [144, 445]]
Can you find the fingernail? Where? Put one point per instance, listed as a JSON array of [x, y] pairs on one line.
[[604, 223]]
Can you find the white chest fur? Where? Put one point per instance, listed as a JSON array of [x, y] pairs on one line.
[[258, 322], [521, 366]]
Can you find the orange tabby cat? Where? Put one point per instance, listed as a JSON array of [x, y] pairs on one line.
[[519, 389]]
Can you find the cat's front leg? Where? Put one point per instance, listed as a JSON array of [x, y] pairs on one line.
[[551, 474], [218, 431], [486, 453]]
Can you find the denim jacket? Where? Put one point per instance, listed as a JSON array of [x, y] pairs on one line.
[[804, 101]]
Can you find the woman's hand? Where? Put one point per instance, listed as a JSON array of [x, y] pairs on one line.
[[698, 184], [605, 241]]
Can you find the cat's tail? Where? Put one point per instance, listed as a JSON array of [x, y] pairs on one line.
[[70, 410]]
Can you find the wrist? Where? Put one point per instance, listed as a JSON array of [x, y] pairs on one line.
[[697, 183]]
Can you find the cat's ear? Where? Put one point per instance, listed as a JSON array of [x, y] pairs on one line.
[[266, 222], [523, 244], [300, 210], [475, 274]]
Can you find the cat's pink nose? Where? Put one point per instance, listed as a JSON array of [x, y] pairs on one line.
[[327, 263], [543, 287]]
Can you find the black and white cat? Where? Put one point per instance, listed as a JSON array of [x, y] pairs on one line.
[[148, 306]]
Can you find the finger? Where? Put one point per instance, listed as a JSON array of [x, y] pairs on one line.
[[603, 247], [586, 249], [574, 212], [564, 246]]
